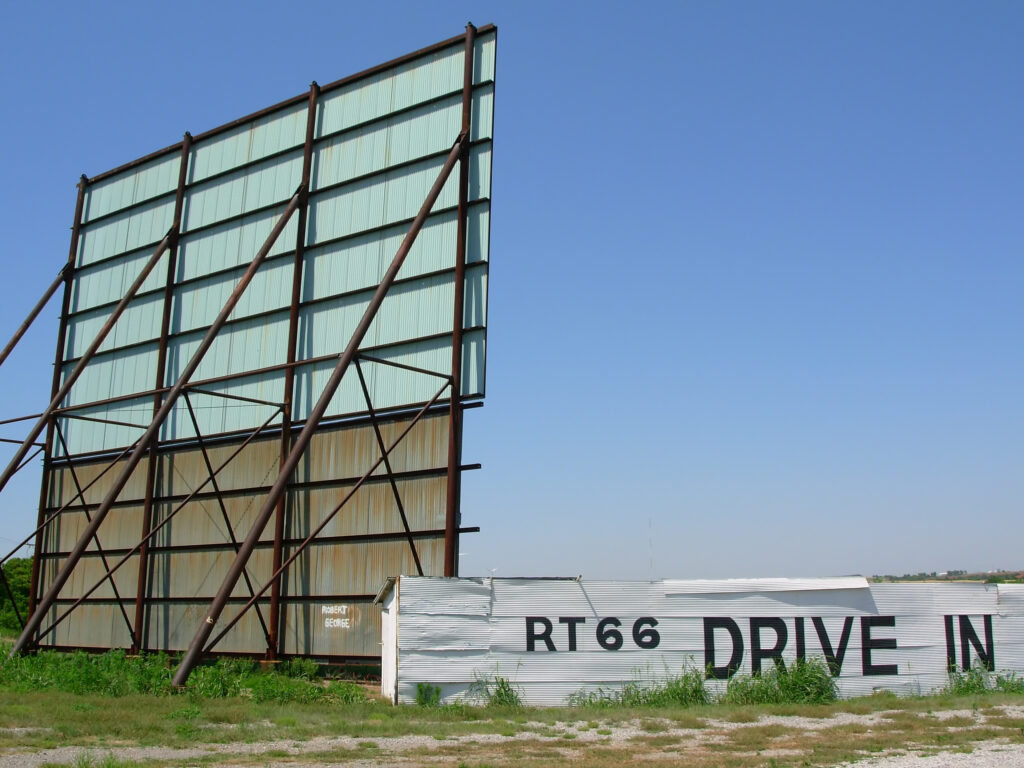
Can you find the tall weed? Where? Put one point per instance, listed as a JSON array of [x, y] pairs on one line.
[[803, 682], [112, 673], [683, 690]]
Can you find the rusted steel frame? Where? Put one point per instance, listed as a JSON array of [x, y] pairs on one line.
[[276, 614], [235, 218], [257, 371], [289, 255], [69, 415], [334, 420], [178, 680], [45, 522], [349, 129], [224, 510], [72, 377], [170, 516], [226, 396], [263, 545], [26, 462], [452, 505], [295, 100], [388, 469], [404, 367], [151, 433], [195, 649], [306, 485], [20, 418], [65, 307], [10, 596], [96, 537], [61, 277], [153, 464], [19, 442]]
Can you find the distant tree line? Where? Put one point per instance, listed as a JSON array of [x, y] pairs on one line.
[[18, 572]]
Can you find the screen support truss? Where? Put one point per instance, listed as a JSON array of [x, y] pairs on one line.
[[292, 447]]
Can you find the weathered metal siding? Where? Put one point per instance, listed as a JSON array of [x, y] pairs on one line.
[[452, 632], [191, 553], [378, 142]]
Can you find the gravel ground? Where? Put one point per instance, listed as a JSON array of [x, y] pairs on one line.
[[985, 755]]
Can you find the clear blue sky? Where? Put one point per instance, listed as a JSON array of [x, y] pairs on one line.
[[757, 298]]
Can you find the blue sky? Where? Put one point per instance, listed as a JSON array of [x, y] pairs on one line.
[[757, 268]]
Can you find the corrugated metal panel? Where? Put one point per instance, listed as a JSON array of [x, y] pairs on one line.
[[172, 626], [140, 322], [135, 228], [83, 437], [232, 244], [359, 262], [390, 386], [154, 178], [391, 197], [1011, 599], [197, 304], [452, 632], [108, 282], [264, 136], [95, 626], [322, 629], [273, 181], [114, 374]]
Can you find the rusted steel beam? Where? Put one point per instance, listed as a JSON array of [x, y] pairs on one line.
[[303, 485], [151, 433], [72, 415], [404, 367], [153, 465], [227, 396], [96, 537], [195, 649], [47, 295], [16, 419], [276, 614], [28, 460], [224, 512], [452, 506], [83, 361], [257, 371], [306, 542], [263, 545], [156, 529], [49, 519], [388, 469], [69, 271]]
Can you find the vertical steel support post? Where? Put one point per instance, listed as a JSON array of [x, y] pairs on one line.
[[65, 308], [147, 438], [452, 497], [139, 635], [277, 621], [61, 277], [195, 649]]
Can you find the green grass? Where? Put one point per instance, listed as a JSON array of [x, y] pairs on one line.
[[804, 682], [114, 674]]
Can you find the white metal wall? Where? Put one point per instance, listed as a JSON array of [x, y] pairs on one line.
[[897, 637]]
